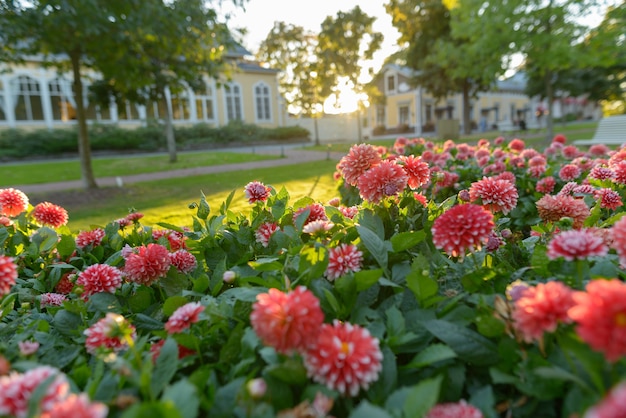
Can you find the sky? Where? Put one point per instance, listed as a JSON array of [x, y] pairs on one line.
[[260, 15]]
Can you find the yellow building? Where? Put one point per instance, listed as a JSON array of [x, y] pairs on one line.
[[413, 110], [32, 96]]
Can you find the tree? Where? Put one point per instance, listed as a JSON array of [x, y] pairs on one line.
[[345, 41], [65, 34], [439, 48], [168, 45], [294, 50], [544, 32]]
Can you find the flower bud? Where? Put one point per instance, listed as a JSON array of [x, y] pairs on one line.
[[229, 276], [257, 388]]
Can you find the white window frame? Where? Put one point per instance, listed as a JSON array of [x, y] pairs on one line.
[[264, 98], [233, 101]]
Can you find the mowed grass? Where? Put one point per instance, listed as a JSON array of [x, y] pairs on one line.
[[169, 200], [52, 171]]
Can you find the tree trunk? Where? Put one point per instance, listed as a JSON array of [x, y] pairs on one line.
[[550, 98], [84, 148], [169, 130], [317, 133], [467, 123]]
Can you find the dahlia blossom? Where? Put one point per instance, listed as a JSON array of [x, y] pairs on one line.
[[265, 232], [619, 172], [569, 172], [546, 185], [148, 265], [183, 317], [86, 238], [66, 283], [50, 214], [386, 179], [417, 170], [612, 406], [16, 390], [99, 278], [600, 315], [343, 259], [28, 347], [541, 308], [287, 321], [12, 202], [618, 240], [77, 406], [609, 198], [601, 173], [553, 208], [318, 227], [256, 191], [184, 261], [51, 299], [462, 228], [359, 159], [577, 244], [110, 333], [8, 274], [345, 358], [454, 410], [4, 221], [316, 212], [175, 239], [494, 195], [155, 350]]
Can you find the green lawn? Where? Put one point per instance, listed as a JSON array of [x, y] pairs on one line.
[[53, 171], [168, 200]]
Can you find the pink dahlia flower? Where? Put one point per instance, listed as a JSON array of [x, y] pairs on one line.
[[109, 333], [52, 299], [50, 214], [569, 172], [360, 158], [8, 274], [577, 244], [349, 211], [16, 390], [175, 239], [546, 185], [553, 208], [87, 238], [265, 232], [287, 321], [99, 278], [12, 202], [345, 358], [601, 173], [148, 264], [517, 145], [541, 308], [609, 198], [256, 191], [183, 317], [77, 406], [618, 240], [454, 410], [462, 228], [343, 259], [66, 283], [184, 261], [612, 406], [417, 170], [386, 179], [28, 347], [316, 211], [494, 195], [600, 315], [619, 172]]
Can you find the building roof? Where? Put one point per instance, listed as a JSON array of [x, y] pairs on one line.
[[517, 82], [255, 67]]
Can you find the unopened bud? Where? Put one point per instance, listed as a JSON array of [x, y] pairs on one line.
[[229, 276], [257, 388]]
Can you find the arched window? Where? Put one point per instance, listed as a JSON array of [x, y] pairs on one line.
[[205, 102], [62, 100], [232, 95], [262, 103], [27, 98]]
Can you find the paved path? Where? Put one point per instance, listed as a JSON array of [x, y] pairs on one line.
[[292, 155]]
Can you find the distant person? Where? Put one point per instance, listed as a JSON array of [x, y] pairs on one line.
[[522, 125], [483, 124]]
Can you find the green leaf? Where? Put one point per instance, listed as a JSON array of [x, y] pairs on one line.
[[422, 286], [405, 240], [555, 372], [185, 398], [368, 219], [140, 300], [367, 278], [290, 371], [68, 323], [165, 367], [104, 302], [422, 397], [172, 303], [313, 260], [484, 399], [466, 343], [266, 264], [45, 238], [332, 300], [367, 410], [374, 244], [66, 246], [152, 410], [432, 354]]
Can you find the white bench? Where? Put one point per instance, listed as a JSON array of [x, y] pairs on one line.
[[611, 130]]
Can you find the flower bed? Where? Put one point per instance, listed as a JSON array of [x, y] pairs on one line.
[[448, 280]]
